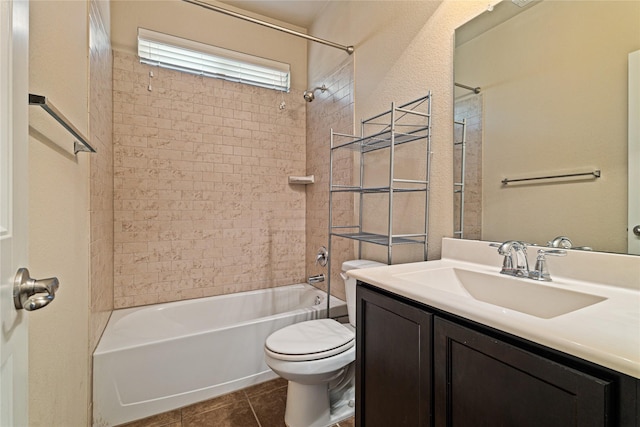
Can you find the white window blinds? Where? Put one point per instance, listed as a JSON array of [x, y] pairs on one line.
[[193, 57]]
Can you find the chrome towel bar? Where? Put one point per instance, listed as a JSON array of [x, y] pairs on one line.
[[81, 144], [595, 174]]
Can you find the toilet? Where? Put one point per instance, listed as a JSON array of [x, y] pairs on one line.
[[317, 357]]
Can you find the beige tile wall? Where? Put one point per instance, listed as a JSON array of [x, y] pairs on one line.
[[202, 205], [331, 109], [101, 173]]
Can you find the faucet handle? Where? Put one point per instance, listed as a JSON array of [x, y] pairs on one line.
[[322, 256], [541, 271], [560, 242], [554, 252]]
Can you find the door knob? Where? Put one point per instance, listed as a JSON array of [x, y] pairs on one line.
[[32, 294], [636, 230]]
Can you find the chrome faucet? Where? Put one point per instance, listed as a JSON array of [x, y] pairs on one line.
[[521, 268]]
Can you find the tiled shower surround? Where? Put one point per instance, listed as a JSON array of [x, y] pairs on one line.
[[332, 109], [101, 166], [202, 204]]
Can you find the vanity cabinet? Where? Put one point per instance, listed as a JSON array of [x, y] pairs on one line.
[[420, 366], [482, 381], [393, 363]]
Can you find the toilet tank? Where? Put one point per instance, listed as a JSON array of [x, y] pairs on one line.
[[350, 284]]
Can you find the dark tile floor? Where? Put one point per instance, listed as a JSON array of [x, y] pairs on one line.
[[261, 405]]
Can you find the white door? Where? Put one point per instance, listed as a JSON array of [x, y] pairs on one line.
[[14, 71], [633, 239]]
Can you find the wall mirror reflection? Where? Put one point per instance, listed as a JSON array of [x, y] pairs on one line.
[[553, 100]]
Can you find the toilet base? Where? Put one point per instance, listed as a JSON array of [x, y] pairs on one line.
[[315, 406]]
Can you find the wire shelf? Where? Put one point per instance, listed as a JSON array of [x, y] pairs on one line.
[[381, 239]]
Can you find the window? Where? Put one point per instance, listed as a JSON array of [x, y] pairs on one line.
[[193, 57]]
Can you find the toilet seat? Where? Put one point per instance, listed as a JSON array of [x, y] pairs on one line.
[[310, 340]]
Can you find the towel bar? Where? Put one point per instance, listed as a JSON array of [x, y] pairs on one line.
[[595, 174], [81, 144]]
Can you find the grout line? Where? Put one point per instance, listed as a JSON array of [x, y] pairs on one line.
[[252, 410]]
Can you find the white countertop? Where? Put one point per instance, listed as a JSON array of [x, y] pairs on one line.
[[606, 333]]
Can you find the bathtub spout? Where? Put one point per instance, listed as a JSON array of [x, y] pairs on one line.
[[315, 279]]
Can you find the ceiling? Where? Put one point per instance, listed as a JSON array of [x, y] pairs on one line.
[[297, 12]]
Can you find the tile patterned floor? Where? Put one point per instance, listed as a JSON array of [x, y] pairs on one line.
[[261, 405]]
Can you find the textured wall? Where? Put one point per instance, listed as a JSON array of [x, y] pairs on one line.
[[402, 49], [332, 109], [191, 22], [202, 200], [59, 363]]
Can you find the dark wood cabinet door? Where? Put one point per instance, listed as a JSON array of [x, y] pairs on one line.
[[482, 381], [393, 363]]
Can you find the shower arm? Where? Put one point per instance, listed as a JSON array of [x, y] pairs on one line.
[[348, 49], [309, 95]]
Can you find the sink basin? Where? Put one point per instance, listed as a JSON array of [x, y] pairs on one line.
[[519, 294]]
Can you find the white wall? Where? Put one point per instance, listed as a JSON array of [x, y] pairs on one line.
[[196, 23], [58, 218]]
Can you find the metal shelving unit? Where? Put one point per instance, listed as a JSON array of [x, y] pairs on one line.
[[408, 123]]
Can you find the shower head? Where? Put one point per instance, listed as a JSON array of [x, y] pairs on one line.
[[309, 94]]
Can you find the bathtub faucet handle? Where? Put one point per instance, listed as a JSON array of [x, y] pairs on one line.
[[322, 256]]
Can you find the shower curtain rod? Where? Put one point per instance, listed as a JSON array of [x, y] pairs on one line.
[[348, 49], [474, 89]]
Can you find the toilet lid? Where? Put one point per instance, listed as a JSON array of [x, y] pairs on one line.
[[311, 340]]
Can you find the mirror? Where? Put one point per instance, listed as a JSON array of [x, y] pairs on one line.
[[552, 102]]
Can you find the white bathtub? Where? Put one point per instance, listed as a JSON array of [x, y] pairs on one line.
[[157, 358]]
